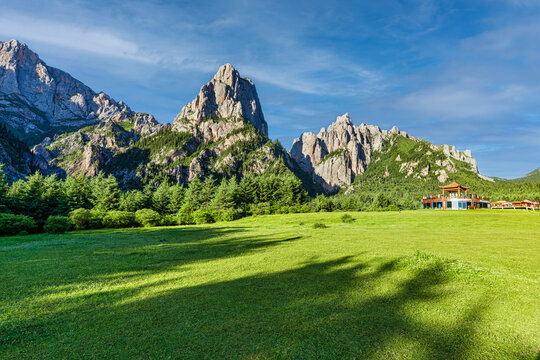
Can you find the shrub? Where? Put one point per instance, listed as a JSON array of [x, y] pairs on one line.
[[15, 224], [285, 210], [148, 217], [304, 208], [203, 216], [169, 220], [346, 218], [86, 219], [185, 215], [95, 221], [381, 201], [119, 219], [80, 218], [319, 226], [392, 208], [57, 224], [229, 215], [263, 208]]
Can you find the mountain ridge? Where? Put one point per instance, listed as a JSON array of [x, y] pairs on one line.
[[37, 100], [533, 176], [221, 132], [343, 151]]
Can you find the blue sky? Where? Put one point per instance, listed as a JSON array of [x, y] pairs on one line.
[[463, 73]]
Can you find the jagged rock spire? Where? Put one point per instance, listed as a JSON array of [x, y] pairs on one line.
[[226, 95]]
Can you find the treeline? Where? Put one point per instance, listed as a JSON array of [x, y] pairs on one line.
[[48, 202]]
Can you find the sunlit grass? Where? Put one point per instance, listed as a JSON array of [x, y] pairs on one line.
[[422, 284]]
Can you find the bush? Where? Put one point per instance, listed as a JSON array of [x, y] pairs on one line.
[[264, 208], [229, 215], [304, 208], [57, 224], [319, 226], [15, 224], [185, 215], [381, 201], [169, 220], [203, 216], [119, 219], [346, 218], [148, 217], [392, 208], [86, 219], [80, 218]]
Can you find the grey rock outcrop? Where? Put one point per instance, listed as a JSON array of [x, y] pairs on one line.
[[37, 100], [338, 154], [451, 152], [226, 96]]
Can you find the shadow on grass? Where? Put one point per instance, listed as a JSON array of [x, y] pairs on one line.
[[320, 310], [124, 253]]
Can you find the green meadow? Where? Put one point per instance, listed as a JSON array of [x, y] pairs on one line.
[[400, 285]]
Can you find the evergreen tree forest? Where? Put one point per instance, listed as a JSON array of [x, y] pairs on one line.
[[49, 203]]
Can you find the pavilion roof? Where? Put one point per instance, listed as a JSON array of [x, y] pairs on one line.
[[453, 185]]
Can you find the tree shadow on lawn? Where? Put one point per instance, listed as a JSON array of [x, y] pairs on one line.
[[151, 252], [332, 310]]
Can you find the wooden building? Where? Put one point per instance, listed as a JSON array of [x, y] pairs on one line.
[[501, 204], [455, 197]]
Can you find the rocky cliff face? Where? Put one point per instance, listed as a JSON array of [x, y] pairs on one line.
[[337, 155], [15, 158], [227, 96], [221, 132], [37, 100]]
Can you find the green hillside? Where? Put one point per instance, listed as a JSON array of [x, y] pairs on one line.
[[383, 175], [533, 176]]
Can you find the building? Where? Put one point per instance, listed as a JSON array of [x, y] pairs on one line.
[[501, 204], [525, 204], [454, 197]]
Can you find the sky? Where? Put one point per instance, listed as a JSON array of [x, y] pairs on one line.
[[463, 73]]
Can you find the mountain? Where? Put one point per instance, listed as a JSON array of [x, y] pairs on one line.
[[226, 96], [532, 177], [14, 155], [338, 155], [37, 100], [222, 133]]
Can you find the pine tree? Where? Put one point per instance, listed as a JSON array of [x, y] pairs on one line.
[[133, 200], [161, 198], [105, 194], [4, 188], [177, 198], [77, 191], [227, 195]]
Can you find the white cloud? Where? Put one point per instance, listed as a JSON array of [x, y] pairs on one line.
[[463, 100], [72, 36]]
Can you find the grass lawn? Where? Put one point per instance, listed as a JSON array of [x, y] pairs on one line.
[[409, 285]]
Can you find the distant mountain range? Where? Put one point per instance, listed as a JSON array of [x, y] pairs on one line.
[[73, 130]]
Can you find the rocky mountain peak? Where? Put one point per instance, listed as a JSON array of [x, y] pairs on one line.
[[226, 96], [227, 74], [338, 154], [345, 119], [37, 100]]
